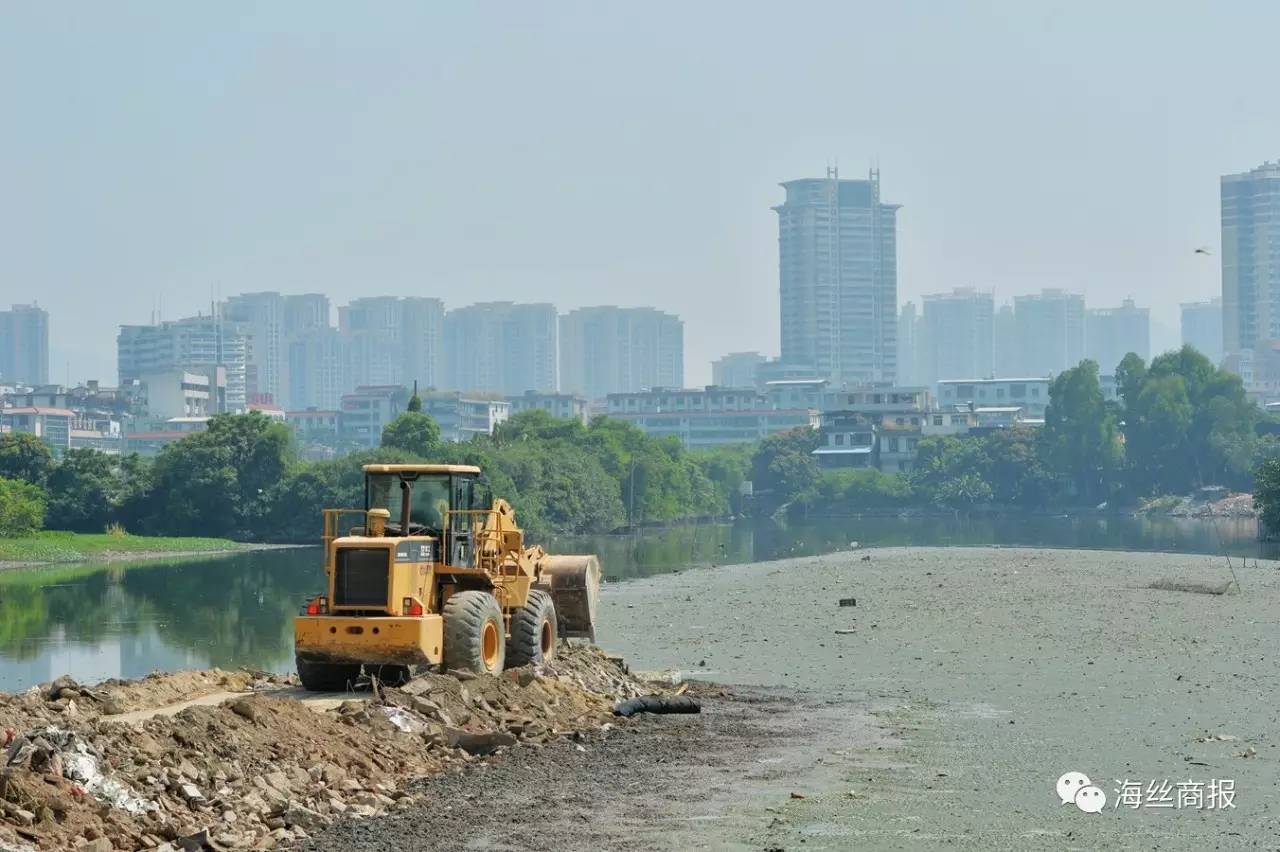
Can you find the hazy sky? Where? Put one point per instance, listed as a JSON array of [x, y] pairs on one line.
[[610, 153]]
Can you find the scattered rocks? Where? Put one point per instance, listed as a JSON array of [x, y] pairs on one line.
[[264, 770]]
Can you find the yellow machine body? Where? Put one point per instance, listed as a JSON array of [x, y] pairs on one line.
[[386, 591]]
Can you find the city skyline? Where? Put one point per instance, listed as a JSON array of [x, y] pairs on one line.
[[393, 168], [300, 326]]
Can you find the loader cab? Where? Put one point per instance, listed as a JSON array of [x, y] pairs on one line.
[[440, 501]]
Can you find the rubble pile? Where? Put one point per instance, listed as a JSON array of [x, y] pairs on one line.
[[265, 768]]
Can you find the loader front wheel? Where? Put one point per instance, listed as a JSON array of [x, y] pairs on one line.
[[474, 633], [533, 631], [326, 677]]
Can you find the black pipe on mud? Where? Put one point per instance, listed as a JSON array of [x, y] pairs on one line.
[[657, 704]]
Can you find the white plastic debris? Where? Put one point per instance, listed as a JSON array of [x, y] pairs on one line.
[[81, 766], [406, 722]]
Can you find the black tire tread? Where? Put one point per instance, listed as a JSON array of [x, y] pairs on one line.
[[464, 616], [525, 646]]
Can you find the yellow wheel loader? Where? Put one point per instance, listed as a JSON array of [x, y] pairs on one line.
[[436, 574]]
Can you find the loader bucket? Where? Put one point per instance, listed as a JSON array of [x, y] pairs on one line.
[[574, 585]]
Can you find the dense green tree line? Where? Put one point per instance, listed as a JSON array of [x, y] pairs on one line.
[[1180, 422], [240, 478]]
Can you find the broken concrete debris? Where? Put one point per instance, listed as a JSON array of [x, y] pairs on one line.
[[265, 768]]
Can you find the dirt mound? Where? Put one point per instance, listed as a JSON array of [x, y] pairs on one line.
[[267, 767], [1210, 502]]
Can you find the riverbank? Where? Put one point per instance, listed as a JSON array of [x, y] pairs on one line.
[[52, 547]]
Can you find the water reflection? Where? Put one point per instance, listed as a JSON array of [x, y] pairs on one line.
[[125, 620]]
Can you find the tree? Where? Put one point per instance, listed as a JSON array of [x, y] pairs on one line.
[[1187, 423], [22, 508], [84, 491], [217, 482], [1080, 435], [783, 465], [1130, 374], [412, 432], [415, 401], [1157, 429], [962, 492], [1016, 470], [25, 457], [1266, 496]]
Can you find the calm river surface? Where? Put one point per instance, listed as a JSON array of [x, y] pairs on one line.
[[125, 620]]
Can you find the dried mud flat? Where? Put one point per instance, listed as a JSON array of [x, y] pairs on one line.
[[937, 712], [674, 782]]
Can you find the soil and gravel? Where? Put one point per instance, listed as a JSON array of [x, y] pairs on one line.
[[935, 709], [263, 762]]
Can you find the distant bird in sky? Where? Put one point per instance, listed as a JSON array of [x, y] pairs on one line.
[[1203, 250]]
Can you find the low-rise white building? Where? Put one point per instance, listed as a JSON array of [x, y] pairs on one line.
[[567, 406], [178, 393], [708, 417], [1030, 394], [462, 417], [367, 410], [51, 425]]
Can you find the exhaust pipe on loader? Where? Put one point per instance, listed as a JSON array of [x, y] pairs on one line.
[[574, 585]]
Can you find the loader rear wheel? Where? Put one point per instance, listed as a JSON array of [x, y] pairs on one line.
[[326, 677], [533, 631], [474, 633]]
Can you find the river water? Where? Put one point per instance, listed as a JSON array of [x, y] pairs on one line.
[[125, 620]]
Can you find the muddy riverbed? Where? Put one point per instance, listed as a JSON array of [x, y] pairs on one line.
[[937, 712]]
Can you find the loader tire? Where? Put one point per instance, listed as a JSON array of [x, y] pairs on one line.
[[533, 631], [326, 677], [474, 633]]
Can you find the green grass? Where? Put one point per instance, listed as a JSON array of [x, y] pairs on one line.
[[82, 547]]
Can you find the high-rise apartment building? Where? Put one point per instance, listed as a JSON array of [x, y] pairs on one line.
[[1251, 269], [1112, 333], [392, 341], [1004, 342], [24, 345], [838, 279], [501, 347], [317, 369], [606, 350], [306, 312], [1202, 327], [209, 345], [372, 328], [955, 336], [422, 336], [1050, 332], [909, 372], [262, 315], [737, 369]]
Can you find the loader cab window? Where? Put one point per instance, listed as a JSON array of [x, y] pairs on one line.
[[460, 544], [430, 500], [463, 489], [482, 495]]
